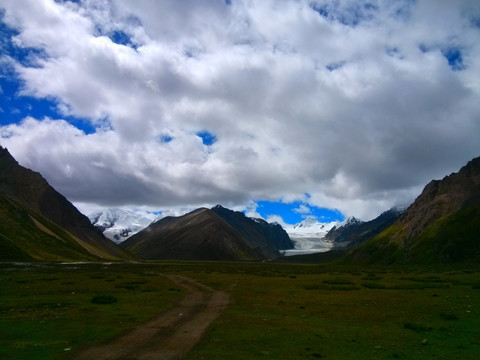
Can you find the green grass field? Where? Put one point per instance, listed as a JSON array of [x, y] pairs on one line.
[[278, 311], [50, 311]]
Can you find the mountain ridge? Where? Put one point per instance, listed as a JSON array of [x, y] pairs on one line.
[[442, 225], [354, 232], [206, 234], [269, 236], [35, 219]]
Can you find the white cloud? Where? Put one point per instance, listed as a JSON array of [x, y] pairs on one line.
[[302, 209], [359, 107], [279, 220]]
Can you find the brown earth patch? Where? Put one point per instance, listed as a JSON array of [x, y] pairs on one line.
[[173, 333]]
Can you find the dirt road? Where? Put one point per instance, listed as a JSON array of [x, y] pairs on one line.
[[173, 333]]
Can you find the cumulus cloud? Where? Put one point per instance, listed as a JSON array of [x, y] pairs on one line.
[[358, 104], [303, 210]]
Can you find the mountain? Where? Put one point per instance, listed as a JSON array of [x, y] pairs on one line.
[[354, 232], [270, 237], [207, 234], [38, 223], [441, 226], [334, 240], [309, 235], [117, 224]]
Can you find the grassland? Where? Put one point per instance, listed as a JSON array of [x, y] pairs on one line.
[[49, 311], [278, 311]]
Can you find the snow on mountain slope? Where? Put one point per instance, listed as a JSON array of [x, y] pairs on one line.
[[308, 236], [118, 225]]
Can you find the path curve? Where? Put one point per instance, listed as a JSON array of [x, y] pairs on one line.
[[173, 333]]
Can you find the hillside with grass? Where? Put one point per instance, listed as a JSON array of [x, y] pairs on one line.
[[38, 223], [441, 226]]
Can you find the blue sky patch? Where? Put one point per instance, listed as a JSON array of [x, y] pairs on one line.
[[165, 138], [322, 10], [207, 137], [453, 55], [297, 211], [63, 1], [121, 38], [349, 15], [22, 54], [475, 21], [14, 108], [455, 58]]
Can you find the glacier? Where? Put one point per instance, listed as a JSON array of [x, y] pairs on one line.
[[308, 237], [118, 224]]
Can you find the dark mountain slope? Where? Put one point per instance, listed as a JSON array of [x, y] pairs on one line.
[[270, 237], [204, 234], [40, 223], [355, 232], [441, 226]]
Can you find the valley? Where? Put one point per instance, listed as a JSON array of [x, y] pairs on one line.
[[212, 284], [239, 180], [276, 311]]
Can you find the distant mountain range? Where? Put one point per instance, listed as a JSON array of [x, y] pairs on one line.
[[38, 223], [354, 231], [118, 224], [209, 234], [307, 236], [341, 237]]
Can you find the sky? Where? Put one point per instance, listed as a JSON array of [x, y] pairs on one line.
[[284, 109]]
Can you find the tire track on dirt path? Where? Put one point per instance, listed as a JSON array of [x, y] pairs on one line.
[[170, 335]]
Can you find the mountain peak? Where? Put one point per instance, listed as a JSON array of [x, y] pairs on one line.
[[6, 156], [119, 224], [352, 220], [308, 222], [209, 234]]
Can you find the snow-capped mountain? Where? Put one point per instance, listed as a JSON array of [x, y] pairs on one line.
[[308, 236], [351, 221], [118, 225]]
